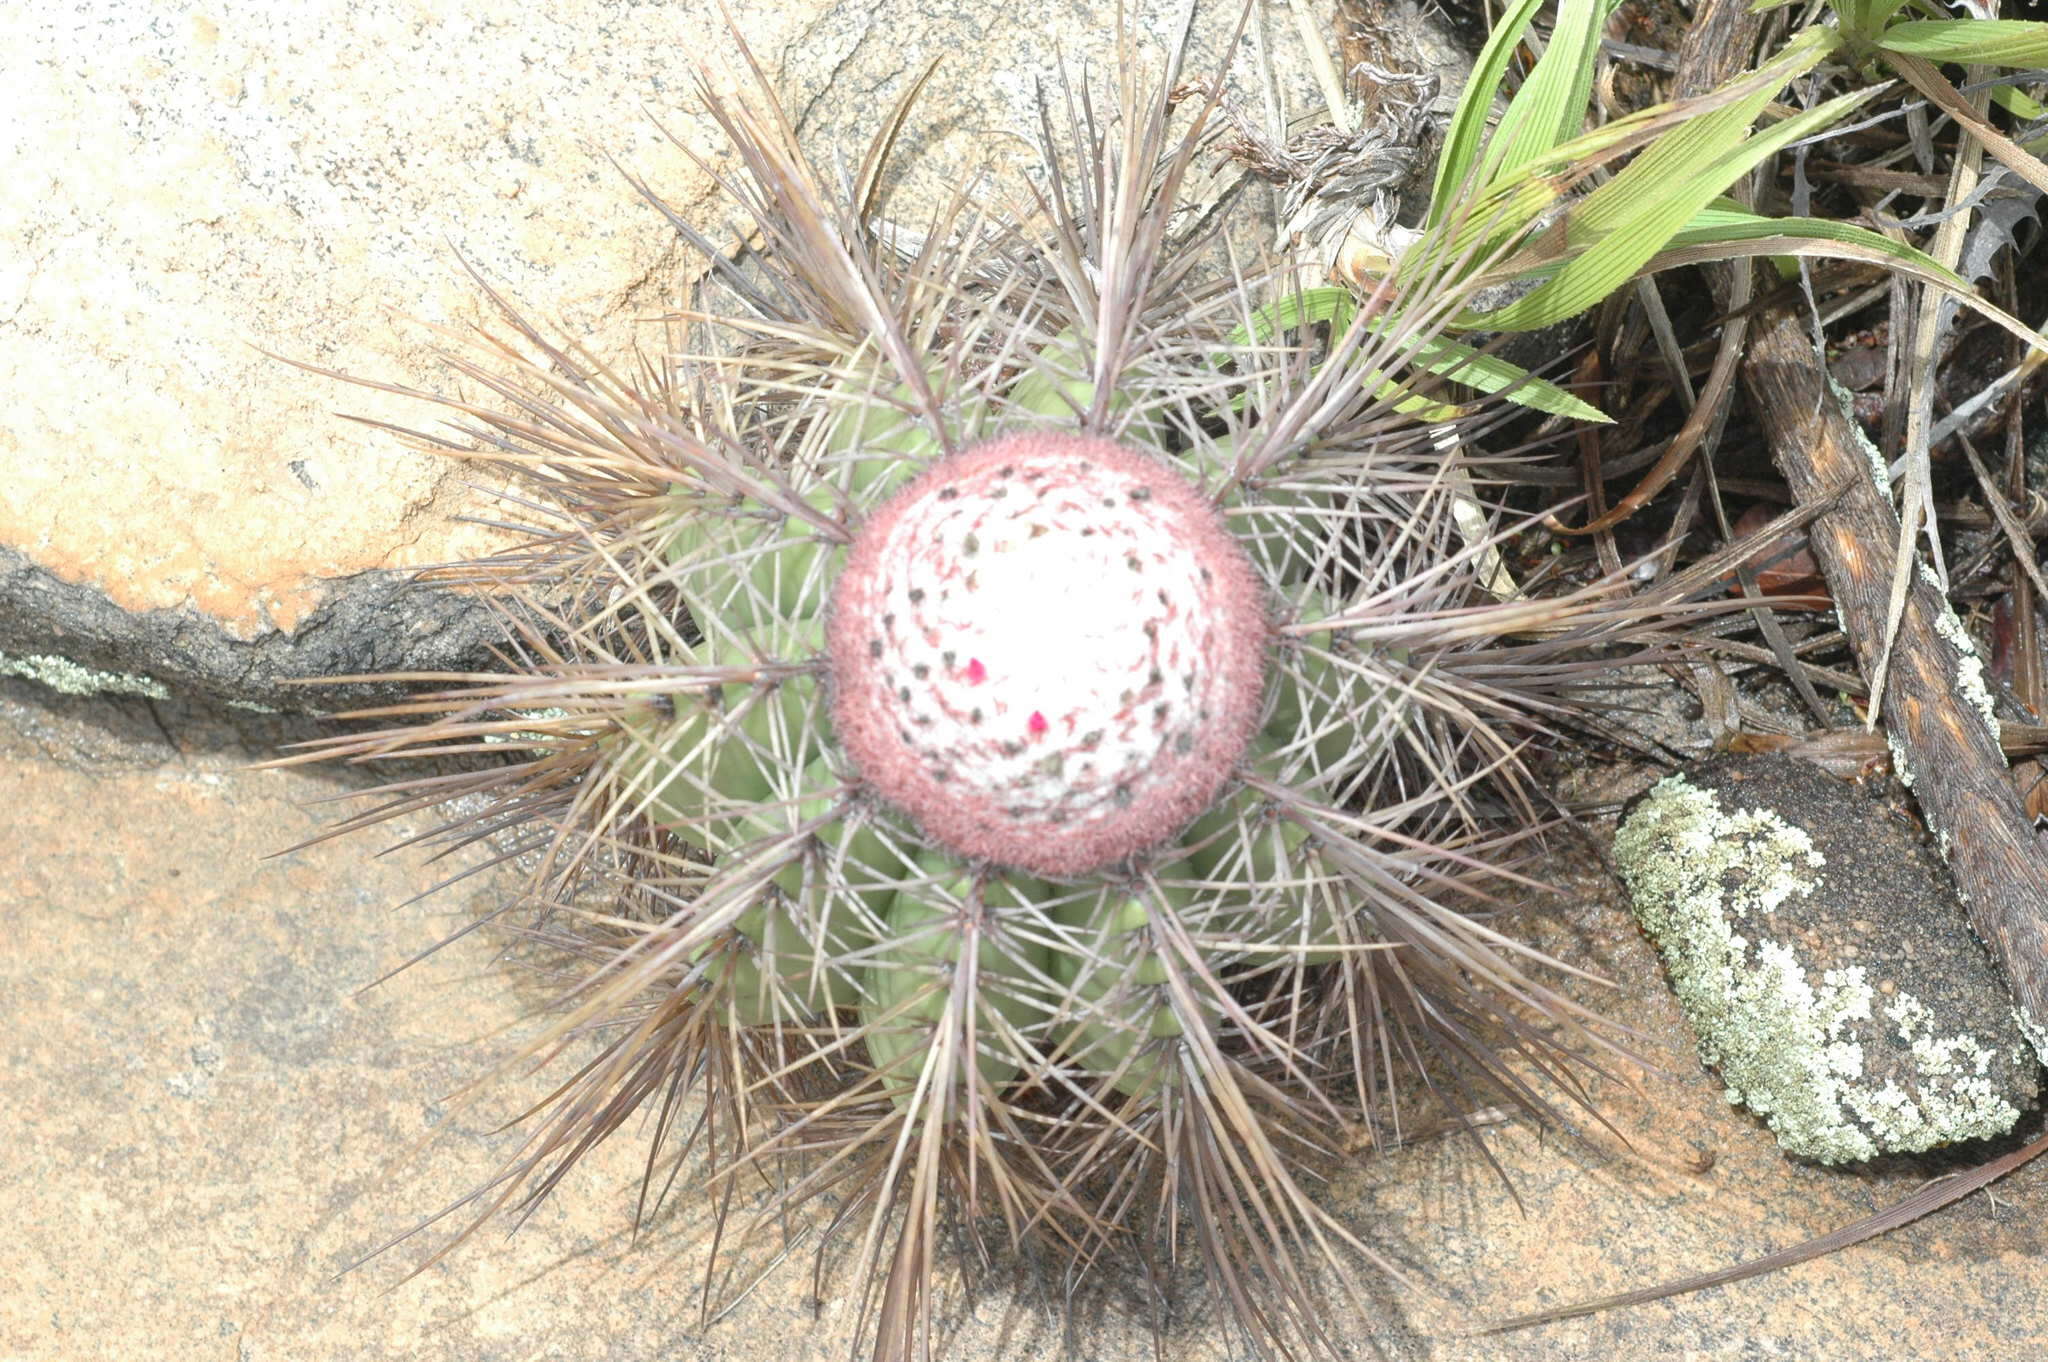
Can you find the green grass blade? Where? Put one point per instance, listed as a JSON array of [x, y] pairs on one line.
[[1467, 128], [1991, 42], [1312, 305], [1506, 209], [1491, 374], [1445, 358], [1652, 200], [2019, 104], [1719, 223], [1836, 244], [1484, 223], [1696, 146], [2026, 110], [1551, 105], [1865, 18]]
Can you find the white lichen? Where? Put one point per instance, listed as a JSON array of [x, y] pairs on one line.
[[1969, 666], [1967, 1105], [70, 678], [1880, 473], [2034, 1031], [1900, 768], [1706, 882]]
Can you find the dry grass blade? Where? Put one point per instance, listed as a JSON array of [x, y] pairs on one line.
[[1929, 1199], [1916, 497]]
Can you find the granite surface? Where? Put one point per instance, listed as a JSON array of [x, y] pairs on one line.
[[214, 1112], [197, 190]]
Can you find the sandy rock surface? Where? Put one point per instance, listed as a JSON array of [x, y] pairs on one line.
[[189, 183], [208, 1115]]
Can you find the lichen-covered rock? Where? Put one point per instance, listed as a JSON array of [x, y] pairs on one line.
[[1823, 960]]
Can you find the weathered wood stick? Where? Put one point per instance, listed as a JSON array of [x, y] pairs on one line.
[[1936, 709]]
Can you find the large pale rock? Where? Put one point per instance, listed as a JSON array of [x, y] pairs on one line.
[[211, 1118], [189, 183]]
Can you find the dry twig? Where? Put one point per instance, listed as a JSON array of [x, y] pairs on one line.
[[1935, 710]]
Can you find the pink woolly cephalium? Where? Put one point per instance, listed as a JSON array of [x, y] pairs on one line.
[[1013, 752]]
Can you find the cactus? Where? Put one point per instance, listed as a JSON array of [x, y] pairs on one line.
[[1032, 768]]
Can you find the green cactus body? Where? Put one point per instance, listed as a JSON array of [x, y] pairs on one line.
[[802, 937], [721, 753], [750, 564], [1061, 384], [847, 858], [833, 930], [875, 440], [1024, 734], [1115, 979], [1339, 716], [1286, 529], [706, 755], [915, 983], [1272, 901], [787, 970]]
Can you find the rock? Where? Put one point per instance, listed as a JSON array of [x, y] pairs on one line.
[[183, 511], [72, 637], [1824, 961], [218, 1121]]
